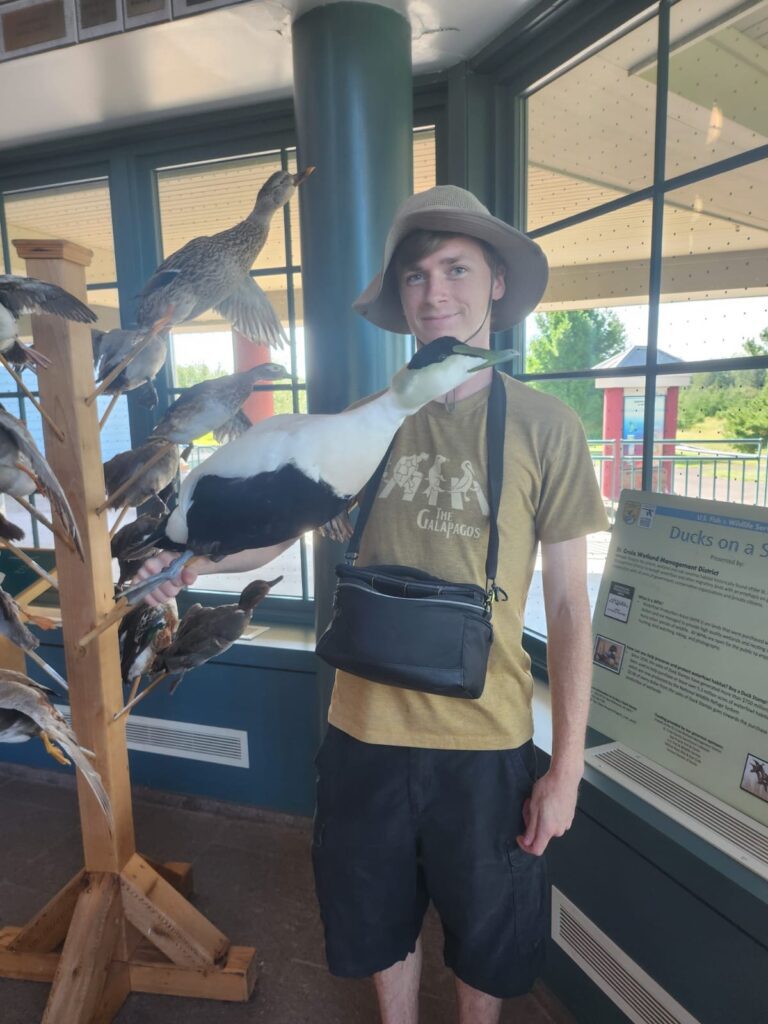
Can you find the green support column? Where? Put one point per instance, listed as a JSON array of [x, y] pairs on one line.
[[354, 120]]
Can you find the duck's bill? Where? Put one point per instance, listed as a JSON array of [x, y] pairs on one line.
[[485, 357], [303, 175]]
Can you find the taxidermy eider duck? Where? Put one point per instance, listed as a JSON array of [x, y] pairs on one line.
[[26, 711], [214, 405], [20, 295], [140, 372], [23, 470], [213, 272], [121, 467], [293, 473], [12, 627], [202, 633]]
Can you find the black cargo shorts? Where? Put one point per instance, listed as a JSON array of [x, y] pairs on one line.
[[398, 827]]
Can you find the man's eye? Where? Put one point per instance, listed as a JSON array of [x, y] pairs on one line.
[[458, 271], [413, 278]]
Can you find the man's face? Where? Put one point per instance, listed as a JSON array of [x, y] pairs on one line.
[[447, 292]]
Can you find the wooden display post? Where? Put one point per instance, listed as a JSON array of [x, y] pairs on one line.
[[122, 924]]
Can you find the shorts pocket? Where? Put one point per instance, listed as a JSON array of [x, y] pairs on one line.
[[529, 886]]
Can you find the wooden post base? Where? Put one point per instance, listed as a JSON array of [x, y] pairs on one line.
[[106, 935]]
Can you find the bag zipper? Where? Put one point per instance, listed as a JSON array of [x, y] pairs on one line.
[[414, 583], [431, 600]]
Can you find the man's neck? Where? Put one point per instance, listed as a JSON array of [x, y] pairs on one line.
[[479, 380]]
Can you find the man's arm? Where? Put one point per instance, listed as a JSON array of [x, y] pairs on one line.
[[243, 561], [552, 805]]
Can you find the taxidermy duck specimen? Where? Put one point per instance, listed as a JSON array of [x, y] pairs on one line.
[[26, 711], [24, 470]]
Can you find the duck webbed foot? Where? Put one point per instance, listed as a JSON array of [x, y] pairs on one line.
[[54, 751]]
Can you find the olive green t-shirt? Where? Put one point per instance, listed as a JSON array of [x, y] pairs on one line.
[[431, 512]]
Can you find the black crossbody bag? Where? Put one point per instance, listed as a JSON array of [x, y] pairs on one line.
[[398, 625]]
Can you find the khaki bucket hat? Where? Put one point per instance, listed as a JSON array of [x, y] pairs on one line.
[[452, 209]]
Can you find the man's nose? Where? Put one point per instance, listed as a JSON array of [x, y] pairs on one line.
[[435, 289]]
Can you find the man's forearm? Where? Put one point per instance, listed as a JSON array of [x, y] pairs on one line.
[[243, 561], [569, 660]]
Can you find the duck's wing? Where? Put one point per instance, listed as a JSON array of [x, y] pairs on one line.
[[249, 311], [53, 489], [233, 428], [19, 693], [28, 295], [203, 633], [9, 530]]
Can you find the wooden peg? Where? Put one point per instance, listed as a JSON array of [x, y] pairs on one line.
[[23, 387]]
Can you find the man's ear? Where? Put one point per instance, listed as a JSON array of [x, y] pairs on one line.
[[499, 282]]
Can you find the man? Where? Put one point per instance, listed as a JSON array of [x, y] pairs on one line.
[[431, 799]]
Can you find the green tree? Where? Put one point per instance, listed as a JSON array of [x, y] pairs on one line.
[[576, 340], [194, 373], [749, 418], [724, 394]]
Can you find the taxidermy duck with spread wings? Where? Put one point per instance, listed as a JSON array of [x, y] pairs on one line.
[[293, 473], [213, 272]]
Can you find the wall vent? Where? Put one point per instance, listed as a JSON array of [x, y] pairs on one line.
[[624, 982], [736, 834], [184, 739]]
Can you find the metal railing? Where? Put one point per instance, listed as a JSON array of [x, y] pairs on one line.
[[694, 470]]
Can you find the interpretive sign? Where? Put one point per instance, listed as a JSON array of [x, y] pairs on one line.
[[681, 642]]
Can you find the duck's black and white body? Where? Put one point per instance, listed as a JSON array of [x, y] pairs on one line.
[[293, 473], [19, 295]]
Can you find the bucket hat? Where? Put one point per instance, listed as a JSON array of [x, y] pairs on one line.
[[456, 211]]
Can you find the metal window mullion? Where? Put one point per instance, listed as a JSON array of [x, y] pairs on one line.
[[4, 236], [657, 243], [291, 300]]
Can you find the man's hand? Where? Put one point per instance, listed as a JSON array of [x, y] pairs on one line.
[[167, 590], [548, 812]]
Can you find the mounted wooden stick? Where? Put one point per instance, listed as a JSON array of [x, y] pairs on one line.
[[134, 699], [31, 563], [120, 517], [108, 410], [46, 522], [34, 590], [23, 387]]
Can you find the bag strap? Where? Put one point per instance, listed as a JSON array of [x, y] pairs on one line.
[[495, 436]]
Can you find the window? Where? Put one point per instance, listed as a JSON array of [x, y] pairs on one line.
[[633, 300]]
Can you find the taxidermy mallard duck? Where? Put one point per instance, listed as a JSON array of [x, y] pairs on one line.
[[23, 470], [213, 272], [13, 627], [26, 711], [114, 346], [293, 473], [157, 476], [213, 405], [143, 634], [20, 295]]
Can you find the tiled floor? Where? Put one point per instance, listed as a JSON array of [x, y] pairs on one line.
[[252, 879]]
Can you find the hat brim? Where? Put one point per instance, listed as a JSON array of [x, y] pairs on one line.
[[526, 264]]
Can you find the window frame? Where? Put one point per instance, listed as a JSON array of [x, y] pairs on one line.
[[511, 196]]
